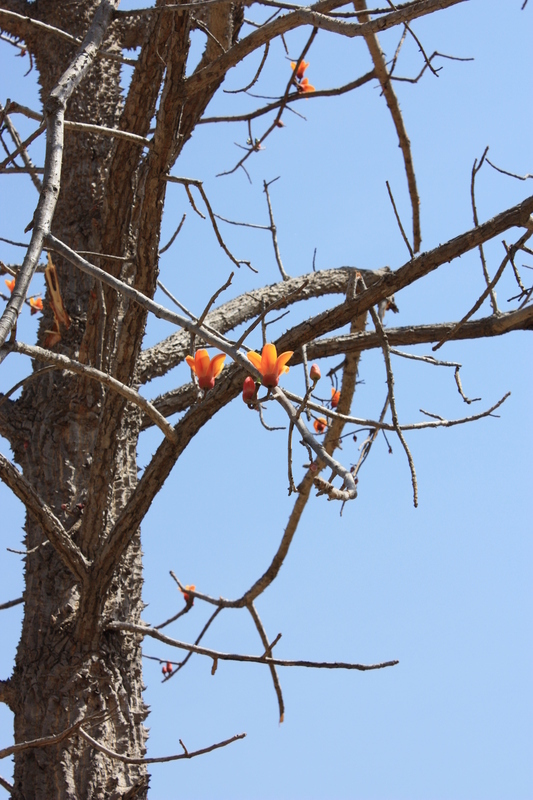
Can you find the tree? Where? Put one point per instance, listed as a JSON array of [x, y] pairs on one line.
[[110, 159]]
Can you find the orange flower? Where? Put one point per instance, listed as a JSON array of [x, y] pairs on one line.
[[186, 596], [10, 284], [301, 69], [269, 364], [36, 304], [335, 397], [206, 368], [305, 86], [320, 424]]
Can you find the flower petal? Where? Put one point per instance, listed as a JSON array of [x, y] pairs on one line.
[[215, 368], [202, 362], [190, 362], [255, 358], [282, 360], [268, 359]]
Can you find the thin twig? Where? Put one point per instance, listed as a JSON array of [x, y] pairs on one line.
[[162, 759], [382, 73], [268, 654], [398, 220], [173, 237], [475, 169], [187, 182], [11, 603], [390, 383], [145, 630], [63, 362], [485, 294], [510, 174], [256, 76], [273, 230]]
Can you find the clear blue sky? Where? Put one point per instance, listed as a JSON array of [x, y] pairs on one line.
[[446, 588]]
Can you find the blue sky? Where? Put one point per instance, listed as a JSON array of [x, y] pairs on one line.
[[445, 588]]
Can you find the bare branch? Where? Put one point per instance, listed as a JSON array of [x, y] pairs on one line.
[[63, 362], [273, 230], [11, 603], [67, 550], [198, 184], [162, 759], [523, 239], [268, 654], [385, 346], [46, 741], [475, 169], [145, 630], [380, 66]]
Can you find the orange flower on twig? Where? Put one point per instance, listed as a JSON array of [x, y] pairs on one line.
[[206, 369], [36, 304], [335, 397], [320, 424], [301, 69], [186, 596], [269, 364], [305, 86]]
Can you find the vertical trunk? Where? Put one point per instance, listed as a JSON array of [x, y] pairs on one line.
[[59, 677], [76, 441]]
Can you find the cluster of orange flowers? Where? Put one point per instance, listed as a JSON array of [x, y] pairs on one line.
[[302, 84], [269, 364], [36, 304]]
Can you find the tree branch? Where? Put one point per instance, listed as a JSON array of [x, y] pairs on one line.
[[382, 73], [314, 16], [145, 630], [161, 759], [69, 552], [63, 362]]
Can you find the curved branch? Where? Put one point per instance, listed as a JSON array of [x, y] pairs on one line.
[[315, 16], [69, 552], [161, 759], [63, 362], [157, 360]]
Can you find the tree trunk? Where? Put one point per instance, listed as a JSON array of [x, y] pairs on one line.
[[75, 440], [60, 675]]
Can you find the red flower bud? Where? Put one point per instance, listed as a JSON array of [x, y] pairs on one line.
[[335, 397], [169, 667], [249, 390], [315, 373]]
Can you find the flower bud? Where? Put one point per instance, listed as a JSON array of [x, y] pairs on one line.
[[314, 373], [249, 390]]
